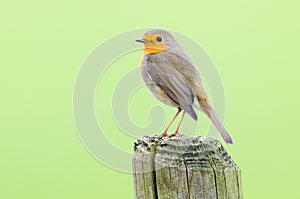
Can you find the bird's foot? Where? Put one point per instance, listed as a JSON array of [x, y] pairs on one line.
[[164, 134], [173, 134], [167, 135]]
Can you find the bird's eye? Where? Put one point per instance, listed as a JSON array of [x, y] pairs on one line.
[[159, 39]]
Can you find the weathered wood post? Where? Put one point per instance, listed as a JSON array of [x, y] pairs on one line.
[[184, 167]]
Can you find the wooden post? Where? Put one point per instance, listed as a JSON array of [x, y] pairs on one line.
[[184, 167]]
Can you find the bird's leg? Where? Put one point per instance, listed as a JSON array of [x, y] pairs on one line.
[[180, 122], [166, 130], [176, 132]]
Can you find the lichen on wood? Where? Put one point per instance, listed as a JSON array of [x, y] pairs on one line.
[[184, 167]]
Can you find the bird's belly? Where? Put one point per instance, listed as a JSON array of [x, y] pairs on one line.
[[160, 94]]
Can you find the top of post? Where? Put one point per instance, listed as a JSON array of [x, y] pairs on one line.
[[196, 152]]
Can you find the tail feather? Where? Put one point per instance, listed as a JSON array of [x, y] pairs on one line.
[[220, 127], [213, 117]]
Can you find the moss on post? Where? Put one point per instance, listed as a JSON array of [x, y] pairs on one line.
[[184, 167]]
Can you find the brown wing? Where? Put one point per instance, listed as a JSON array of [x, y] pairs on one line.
[[186, 68], [172, 83]]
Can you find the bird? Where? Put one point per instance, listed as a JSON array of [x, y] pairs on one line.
[[172, 78]]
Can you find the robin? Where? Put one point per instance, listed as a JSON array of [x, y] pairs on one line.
[[172, 78]]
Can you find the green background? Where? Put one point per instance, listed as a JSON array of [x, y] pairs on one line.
[[255, 45]]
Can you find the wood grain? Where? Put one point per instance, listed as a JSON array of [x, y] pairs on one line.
[[184, 167]]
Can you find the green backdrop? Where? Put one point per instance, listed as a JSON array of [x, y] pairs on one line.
[[255, 45]]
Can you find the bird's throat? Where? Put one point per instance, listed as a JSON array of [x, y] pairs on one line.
[[153, 50]]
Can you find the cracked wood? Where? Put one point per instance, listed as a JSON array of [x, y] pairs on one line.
[[184, 167]]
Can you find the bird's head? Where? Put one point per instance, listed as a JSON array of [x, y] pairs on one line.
[[156, 41]]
